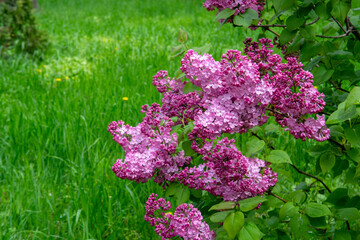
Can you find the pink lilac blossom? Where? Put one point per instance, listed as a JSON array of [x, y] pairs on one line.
[[240, 6], [186, 222], [150, 148], [294, 96], [175, 103], [227, 173], [234, 96]]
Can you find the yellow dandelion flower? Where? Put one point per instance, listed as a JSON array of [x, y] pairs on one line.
[[315, 87], [67, 78], [58, 79], [104, 39], [116, 48], [125, 98]]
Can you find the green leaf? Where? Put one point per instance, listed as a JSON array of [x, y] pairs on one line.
[[250, 14], [318, 222], [219, 216], [321, 75], [354, 154], [293, 22], [317, 210], [320, 10], [340, 9], [288, 211], [224, 14], [233, 224], [353, 135], [182, 195], [254, 145], [353, 98], [189, 87], [296, 44], [251, 203], [287, 35], [338, 197], [281, 5], [336, 131], [310, 50], [348, 214], [342, 114], [298, 196], [278, 156], [223, 206], [327, 161], [342, 235], [299, 226], [307, 32], [172, 189], [182, 36], [187, 148], [203, 49], [197, 193], [317, 150], [247, 18], [354, 15], [250, 232]]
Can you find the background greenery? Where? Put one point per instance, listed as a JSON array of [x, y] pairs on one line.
[[56, 155], [55, 151]]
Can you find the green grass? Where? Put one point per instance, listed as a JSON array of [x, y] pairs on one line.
[[55, 152]]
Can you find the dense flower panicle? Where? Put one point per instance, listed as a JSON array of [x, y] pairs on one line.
[[227, 173], [186, 222], [234, 96], [294, 95], [148, 147], [240, 6], [174, 102]]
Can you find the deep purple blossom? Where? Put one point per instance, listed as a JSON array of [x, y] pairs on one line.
[[186, 222]]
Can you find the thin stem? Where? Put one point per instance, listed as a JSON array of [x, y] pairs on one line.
[[350, 25], [347, 33], [339, 24], [311, 23], [269, 25], [278, 35], [337, 87], [278, 197], [312, 176]]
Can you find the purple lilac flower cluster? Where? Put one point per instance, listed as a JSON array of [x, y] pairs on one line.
[[240, 6], [294, 95], [227, 173], [186, 222], [149, 148]]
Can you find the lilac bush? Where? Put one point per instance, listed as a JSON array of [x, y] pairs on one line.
[[214, 98]]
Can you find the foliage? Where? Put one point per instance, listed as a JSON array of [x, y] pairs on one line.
[[324, 36], [18, 30]]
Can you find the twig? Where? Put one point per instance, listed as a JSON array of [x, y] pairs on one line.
[[337, 87], [339, 24], [278, 35], [347, 33], [350, 25], [309, 175], [269, 25], [311, 23], [278, 197]]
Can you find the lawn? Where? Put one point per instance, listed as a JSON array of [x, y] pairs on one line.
[[56, 155]]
